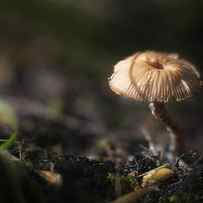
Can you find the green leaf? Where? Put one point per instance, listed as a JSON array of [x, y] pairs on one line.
[[8, 142]]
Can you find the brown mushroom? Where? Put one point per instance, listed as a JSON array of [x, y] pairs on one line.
[[156, 78]]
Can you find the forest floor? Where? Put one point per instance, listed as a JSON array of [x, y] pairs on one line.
[[38, 169]]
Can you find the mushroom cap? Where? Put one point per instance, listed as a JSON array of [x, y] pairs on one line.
[[154, 76]]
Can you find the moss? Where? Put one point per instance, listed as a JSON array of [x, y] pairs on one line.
[[127, 182]]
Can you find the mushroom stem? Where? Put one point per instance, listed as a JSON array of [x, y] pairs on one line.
[[159, 111]]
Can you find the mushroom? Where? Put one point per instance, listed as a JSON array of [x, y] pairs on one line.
[[156, 78]]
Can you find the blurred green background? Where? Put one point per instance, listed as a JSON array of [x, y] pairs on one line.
[[61, 53]]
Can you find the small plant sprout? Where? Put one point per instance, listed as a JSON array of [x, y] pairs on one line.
[[150, 181], [157, 176], [156, 78]]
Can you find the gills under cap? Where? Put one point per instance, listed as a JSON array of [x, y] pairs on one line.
[[154, 77]]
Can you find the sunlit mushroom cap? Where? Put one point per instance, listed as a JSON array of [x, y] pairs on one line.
[[154, 76]]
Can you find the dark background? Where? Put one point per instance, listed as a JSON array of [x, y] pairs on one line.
[[61, 52]]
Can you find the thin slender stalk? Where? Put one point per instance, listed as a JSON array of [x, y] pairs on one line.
[[159, 111]]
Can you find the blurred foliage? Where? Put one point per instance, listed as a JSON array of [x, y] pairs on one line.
[[91, 32], [63, 52], [8, 119]]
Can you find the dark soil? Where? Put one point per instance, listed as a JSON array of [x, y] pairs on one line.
[[42, 145]]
